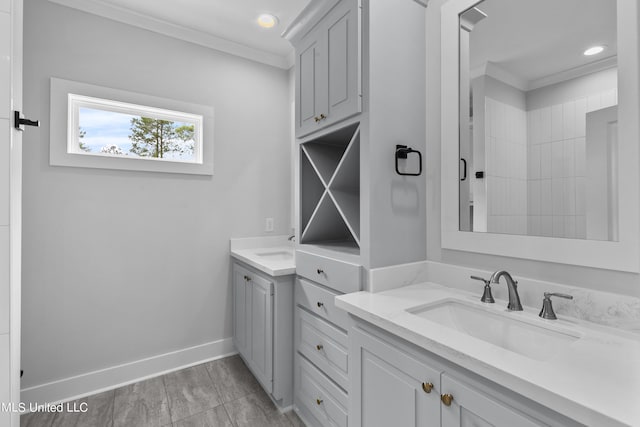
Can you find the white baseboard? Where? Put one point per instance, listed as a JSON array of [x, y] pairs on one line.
[[117, 376]]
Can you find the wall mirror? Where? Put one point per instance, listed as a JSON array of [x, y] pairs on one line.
[[540, 111]]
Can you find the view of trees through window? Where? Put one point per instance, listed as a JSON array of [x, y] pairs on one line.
[[113, 133]]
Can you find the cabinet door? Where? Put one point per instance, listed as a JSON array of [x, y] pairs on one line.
[[262, 330], [310, 80], [471, 407], [343, 88], [240, 312], [387, 386]]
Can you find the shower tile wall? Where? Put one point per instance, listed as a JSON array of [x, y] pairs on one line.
[[506, 167], [556, 160]]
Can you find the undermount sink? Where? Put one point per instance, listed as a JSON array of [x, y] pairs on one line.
[[500, 329], [279, 255]]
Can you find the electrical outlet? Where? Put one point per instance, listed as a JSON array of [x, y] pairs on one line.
[[268, 225]]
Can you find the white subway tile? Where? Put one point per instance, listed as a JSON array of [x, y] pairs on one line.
[[557, 159], [581, 227], [491, 195], [556, 122], [534, 198], [558, 226], [568, 158], [521, 224], [545, 160], [545, 124], [534, 226], [569, 203], [581, 194], [536, 127], [546, 226], [569, 120], [581, 117], [580, 152], [557, 191], [534, 162], [546, 197], [570, 226]]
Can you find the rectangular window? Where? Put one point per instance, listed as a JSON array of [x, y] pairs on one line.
[[102, 127], [105, 130]]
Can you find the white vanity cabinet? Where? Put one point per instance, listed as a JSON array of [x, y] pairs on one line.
[[392, 383], [389, 387], [262, 328], [328, 87]]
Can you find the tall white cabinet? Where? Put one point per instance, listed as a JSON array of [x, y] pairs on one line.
[[359, 92], [10, 206]]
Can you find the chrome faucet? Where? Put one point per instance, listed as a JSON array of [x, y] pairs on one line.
[[512, 286]]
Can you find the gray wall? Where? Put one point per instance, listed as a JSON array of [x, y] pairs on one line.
[[119, 266], [605, 280]]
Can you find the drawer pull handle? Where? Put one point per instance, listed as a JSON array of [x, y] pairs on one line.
[[320, 304], [320, 271], [319, 347], [319, 401], [446, 399], [427, 387]]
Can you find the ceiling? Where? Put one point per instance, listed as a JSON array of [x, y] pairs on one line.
[[227, 25], [533, 40]]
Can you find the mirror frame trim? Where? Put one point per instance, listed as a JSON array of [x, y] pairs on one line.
[[623, 255]]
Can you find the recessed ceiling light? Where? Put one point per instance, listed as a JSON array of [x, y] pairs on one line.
[[594, 50], [267, 21]]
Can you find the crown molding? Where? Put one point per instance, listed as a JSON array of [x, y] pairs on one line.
[[572, 73], [125, 16], [311, 14]]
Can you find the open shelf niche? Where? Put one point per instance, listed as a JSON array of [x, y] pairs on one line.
[[330, 190]]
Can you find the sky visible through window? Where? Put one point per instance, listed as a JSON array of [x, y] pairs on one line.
[[130, 135]]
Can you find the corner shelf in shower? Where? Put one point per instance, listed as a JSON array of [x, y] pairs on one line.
[[330, 190]]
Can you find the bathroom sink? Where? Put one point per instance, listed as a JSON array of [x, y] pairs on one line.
[[501, 329], [278, 255]]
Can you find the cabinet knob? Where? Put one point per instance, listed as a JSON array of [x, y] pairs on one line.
[[320, 271], [320, 304], [246, 278], [322, 117], [427, 387], [317, 119], [319, 401], [319, 347], [446, 399]]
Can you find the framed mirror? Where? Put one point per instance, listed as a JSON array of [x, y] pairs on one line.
[[540, 130]]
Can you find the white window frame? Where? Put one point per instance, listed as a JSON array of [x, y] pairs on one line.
[[67, 97]]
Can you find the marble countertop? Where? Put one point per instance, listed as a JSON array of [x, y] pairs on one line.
[[273, 256], [595, 380]]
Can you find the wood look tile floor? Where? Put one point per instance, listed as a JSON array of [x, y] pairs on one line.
[[221, 393]]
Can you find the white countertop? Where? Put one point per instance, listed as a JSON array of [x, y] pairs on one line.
[[273, 255], [595, 380]]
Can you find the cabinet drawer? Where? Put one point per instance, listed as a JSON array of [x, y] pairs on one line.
[[320, 301], [320, 396], [335, 274], [324, 345]]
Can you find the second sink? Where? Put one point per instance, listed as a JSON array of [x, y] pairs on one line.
[[503, 330]]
